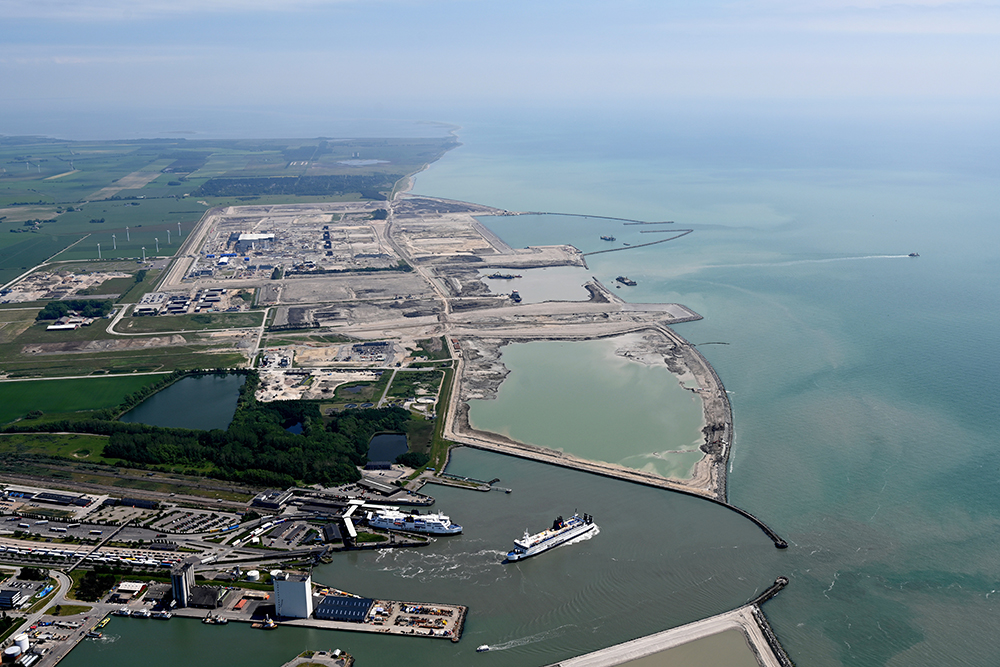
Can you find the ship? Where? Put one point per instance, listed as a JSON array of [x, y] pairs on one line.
[[123, 611], [93, 634], [102, 623], [214, 620], [414, 522], [607, 238], [268, 624], [503, 276], [625, 280], [483, 649], [914, 254], [515, 296], [163, 615], [560, 533]]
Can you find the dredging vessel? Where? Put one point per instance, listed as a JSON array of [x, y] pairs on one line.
[[560, 533]]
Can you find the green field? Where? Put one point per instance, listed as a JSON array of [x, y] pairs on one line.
[[414, 384], [19, 398], [83, 447], [197, 321], [90, 191]]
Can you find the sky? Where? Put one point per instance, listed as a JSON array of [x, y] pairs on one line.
[[420, 58]]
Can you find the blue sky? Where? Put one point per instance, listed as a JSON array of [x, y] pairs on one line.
[[403, 58]]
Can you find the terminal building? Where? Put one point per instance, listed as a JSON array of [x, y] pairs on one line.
[[293, 595]]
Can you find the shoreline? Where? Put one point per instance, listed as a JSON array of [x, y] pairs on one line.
[[749, 620]]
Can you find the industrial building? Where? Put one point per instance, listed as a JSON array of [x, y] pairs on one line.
[[293, 595], [247, 242], [182, 580], [272, 499], [341, 608], [10, 599]]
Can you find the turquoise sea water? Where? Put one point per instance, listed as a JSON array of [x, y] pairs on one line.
[[863, 382]]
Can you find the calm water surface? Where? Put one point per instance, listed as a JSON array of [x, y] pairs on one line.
[[200, 401]]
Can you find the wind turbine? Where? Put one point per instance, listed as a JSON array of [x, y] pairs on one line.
[[179, 230], [143, 254], [157, 246], [168, 237], [98, 251], [114, 242], [127, 237]]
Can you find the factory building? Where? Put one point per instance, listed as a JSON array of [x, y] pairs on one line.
[[247, 242], [293, 595], [340, 608], [182, 580]]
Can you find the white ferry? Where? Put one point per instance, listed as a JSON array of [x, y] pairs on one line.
[[560, 533], [434, 524]]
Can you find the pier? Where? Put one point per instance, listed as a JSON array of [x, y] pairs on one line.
[[748, 619]]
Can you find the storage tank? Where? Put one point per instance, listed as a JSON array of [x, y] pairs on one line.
[[253, 575], [10, 653], [276, 573], [21, 641]]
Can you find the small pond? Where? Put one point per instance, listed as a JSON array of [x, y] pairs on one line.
[[386, 447], [200, 401]]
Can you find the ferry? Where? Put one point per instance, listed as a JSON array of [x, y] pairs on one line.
[[560, 533], [434, 524], [102, 623], [94, 635]]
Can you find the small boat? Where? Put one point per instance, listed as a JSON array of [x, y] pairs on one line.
[[483, 649], [914, 254], [94, 635], [607, 238], [515, 296], [625, 280]]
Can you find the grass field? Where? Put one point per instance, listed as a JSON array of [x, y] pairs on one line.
[[89, 448], [185, 357], [105, 186], [197, 321], [19, 398], [414, 384]]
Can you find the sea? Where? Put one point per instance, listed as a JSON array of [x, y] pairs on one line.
[[862, 380]]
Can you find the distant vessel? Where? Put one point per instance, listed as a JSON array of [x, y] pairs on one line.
[[434, 524], [503, 276], [515, 297], [94, 635], [607, 238], [560, 533], [483, 649], [625, 280], [914, 254]]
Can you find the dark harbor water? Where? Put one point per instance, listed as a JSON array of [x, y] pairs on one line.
[[651, 566], [386, 447], [200, 401]]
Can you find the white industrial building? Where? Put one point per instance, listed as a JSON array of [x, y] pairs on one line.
[[248, 242], [293, 595]]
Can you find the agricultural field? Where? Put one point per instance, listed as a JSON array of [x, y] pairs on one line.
[[197, 321], [59, 396], [60, 199]]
